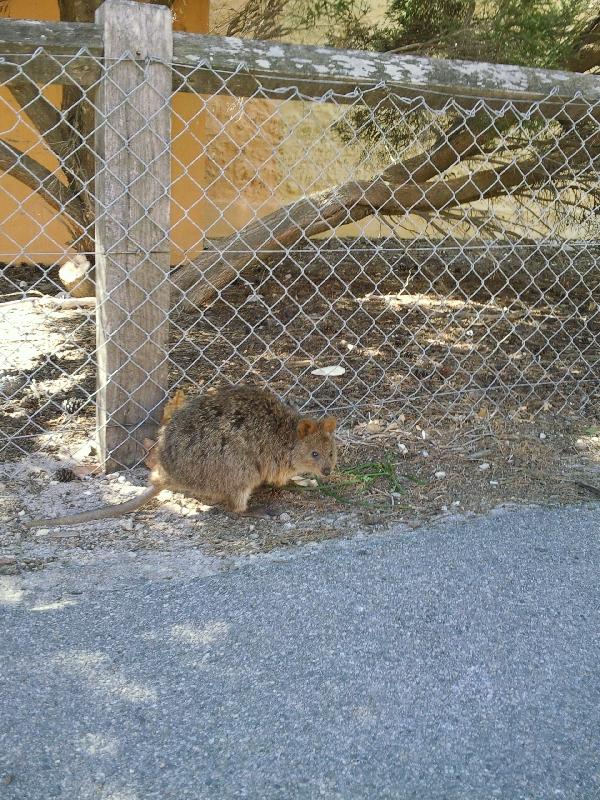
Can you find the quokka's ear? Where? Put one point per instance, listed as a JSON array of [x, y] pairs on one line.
[[306, 427], [328, 424]]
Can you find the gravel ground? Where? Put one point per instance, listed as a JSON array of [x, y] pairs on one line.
[[458, 661]]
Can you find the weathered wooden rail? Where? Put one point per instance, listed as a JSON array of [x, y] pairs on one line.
[[131, 51], [72, 52]]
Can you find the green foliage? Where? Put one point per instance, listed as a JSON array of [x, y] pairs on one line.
[[537, 33], [534, 33]]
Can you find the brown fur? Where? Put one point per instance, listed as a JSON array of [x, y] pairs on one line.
[[222, 445]]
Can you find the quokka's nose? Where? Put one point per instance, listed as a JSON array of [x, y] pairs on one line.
[[326, 470]]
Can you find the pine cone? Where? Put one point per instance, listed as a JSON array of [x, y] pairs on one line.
[[71, 405], [64, 475]]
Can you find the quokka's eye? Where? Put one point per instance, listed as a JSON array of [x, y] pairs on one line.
[[315, 454]]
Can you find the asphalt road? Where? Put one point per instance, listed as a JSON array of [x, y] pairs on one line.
[[457, 662]]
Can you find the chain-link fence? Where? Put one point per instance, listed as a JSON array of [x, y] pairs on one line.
[[363, 248]]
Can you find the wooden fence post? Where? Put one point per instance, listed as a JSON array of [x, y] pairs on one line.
[[132, 189]]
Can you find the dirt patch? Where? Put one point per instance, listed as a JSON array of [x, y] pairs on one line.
[[388, 475], [439, 333], [471, 381]]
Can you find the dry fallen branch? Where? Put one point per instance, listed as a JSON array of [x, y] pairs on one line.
[[55, 303], [200, 279]]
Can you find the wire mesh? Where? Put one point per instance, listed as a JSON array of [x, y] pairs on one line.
[[358, 257]]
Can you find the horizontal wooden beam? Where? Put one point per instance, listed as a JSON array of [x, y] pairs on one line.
[[67, 52], [298, 70], [50, 52]]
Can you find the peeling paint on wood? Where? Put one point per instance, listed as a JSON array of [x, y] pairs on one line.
[[241, 66]]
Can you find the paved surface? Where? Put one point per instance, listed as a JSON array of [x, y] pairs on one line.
[[459, 662]]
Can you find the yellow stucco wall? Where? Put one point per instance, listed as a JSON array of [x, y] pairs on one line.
[[32, 231]]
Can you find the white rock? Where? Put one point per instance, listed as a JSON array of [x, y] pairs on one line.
[[330, 372], [484, 466], [542, 435], [440, 474], [300, 480], [425, 453], [580, 444], [493, 483], [42, 531]]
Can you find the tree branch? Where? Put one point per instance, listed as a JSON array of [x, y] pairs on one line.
[[47, 119], [200, 279], [45, 183], [462, 141]]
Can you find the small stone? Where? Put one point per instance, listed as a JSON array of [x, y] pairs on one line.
[[121, 479], [425, 453], [42, 531], [580, 444], [300, 480], [440, 474], [285, 517], [403, 448], [374, 426], [456, 503], [8, 565], [484, 466], [542, 435], [494, 483]]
